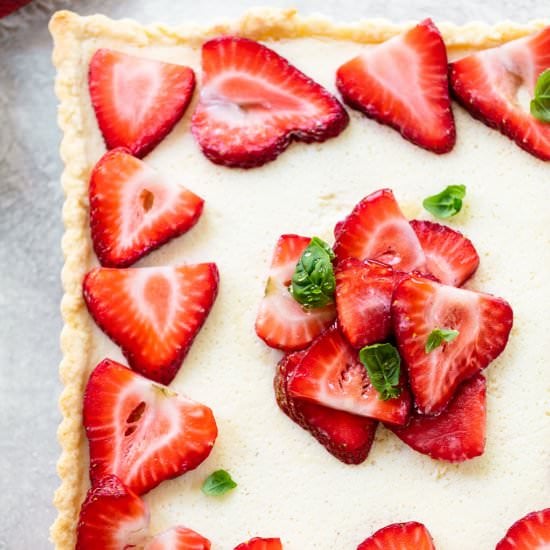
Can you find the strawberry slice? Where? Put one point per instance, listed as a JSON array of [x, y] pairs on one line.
[[376, 229], [458, 433], [450, 256], [137, 101], [152, 313], [403, 83], [330, 374], [9, 6], [134, 210], [254, 103], [531, 532], [489, 84], [346, 436], [140, 431], [258, 543], [178, 538], [282, 322], [111, 518], [482, 321], [399, 536], [363, 301]]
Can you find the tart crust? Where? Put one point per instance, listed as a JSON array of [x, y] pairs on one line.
[[69, 31]]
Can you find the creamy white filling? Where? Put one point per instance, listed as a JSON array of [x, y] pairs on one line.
[[289, 486]]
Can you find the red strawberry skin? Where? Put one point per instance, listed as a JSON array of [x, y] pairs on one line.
[[254, 103], [486, 85], [450, 256], [258, 543], [112, 517], [458, 433], [399, 536], [152, 313], [403, 83], [346, 436], [178, 538], [9, 6], [282, 323], [363, 301], [140, 431], [133, 210], [531, 532], [137, 101], [421, 305], [331, 375], [377, 230]]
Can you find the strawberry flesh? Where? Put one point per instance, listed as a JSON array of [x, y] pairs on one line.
[[403, 83], [458, 433], [133, 210], [137, 101], [450, 256], [282, 322], [399, 536], [140, 431], [363, 301], [346, 436], [178, 538], [152, 313], [483, 321], [258, 543], [253, 103], [331, 375], [531, 532], [487, 84]]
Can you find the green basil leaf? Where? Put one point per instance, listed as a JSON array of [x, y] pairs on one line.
[[540, 104], [313, 282], [447, 203], [438, 336], [383, 365], [218, 483]]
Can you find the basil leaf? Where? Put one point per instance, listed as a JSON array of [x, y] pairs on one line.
[[438, 336], [218, 483], [447, 203], [313, 282], [540, 104], [383, 365]]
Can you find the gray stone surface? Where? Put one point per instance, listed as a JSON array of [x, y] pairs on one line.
[[31, 229]]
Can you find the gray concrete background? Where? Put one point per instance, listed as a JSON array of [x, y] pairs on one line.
[[31, 228]]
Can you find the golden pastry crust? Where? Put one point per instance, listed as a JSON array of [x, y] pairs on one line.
[[69, 32]]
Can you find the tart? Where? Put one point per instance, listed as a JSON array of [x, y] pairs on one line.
[[288, 486]]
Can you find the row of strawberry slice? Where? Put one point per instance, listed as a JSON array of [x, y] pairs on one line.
[[253, 102], [387, 274]]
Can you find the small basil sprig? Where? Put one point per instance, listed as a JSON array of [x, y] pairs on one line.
[[218, 483], [383, 365], [540, 104], [313, 282], [447, 203], [438, 336]]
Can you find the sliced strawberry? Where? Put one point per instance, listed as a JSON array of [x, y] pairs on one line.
[[137, 101], [330, 374], [282, 322], [403, 83], [178, 538], [458, 433], [111, 518], [9, 6], [487, 84], [254, 103], [450, 256], [346, 436], [152, 313], [363, 300], [531, 532], [421, 306], [376, 229], [400, 536], [134, 210], [258, 543], [140, 431]]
